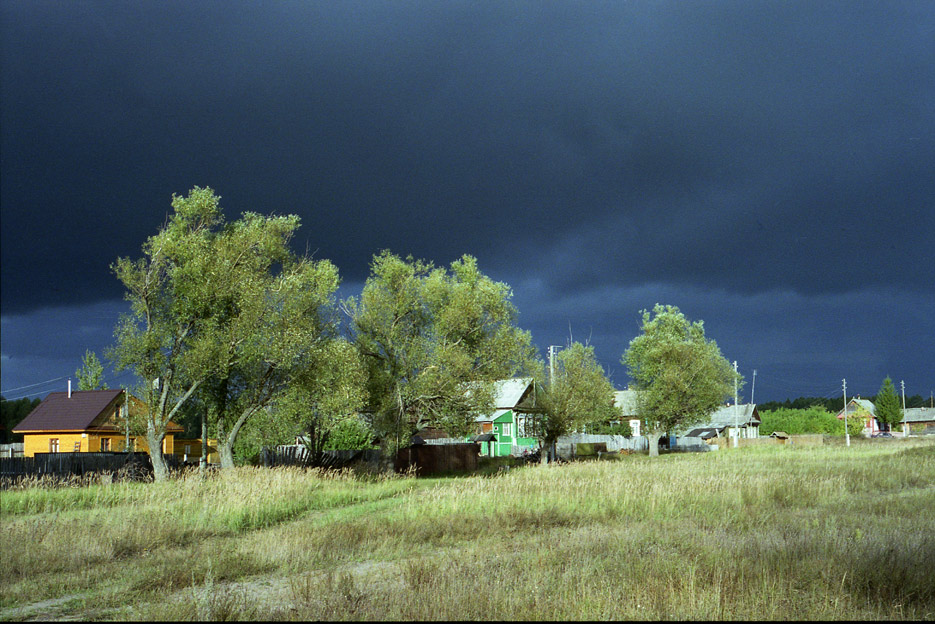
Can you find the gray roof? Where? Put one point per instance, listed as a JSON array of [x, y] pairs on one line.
[[919, 414], [510, 391], [859, 404], [507, 395], [742, 415], [703, 432], [625, 401]]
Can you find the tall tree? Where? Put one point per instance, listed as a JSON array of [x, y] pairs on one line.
[[433, 341], [680, 376], [91, 373], [169, 334], [580, 393], [888, 410], [274, 328]]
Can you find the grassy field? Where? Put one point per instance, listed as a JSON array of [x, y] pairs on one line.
[[754, 533]]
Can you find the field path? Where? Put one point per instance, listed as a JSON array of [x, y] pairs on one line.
[[42, 611]]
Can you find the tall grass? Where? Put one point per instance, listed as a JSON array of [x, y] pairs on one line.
[[760, 533]]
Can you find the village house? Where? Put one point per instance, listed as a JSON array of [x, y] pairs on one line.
[[625, 401], [866, 412], [741, 420], [509, 429], [919, 421], [85, 421]]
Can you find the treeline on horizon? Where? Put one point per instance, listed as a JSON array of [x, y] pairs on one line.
[[833, 404]]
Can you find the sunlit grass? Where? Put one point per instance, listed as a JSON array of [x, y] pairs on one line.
[[758, 533]]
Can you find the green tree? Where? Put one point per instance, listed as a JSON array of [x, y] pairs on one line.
[[91, 373], [580, 393], [327, 392], [274, 329], [680, 376], [802, 421], [12, 413], [887, 407], [225, 313], [350, 433], [433, 341]]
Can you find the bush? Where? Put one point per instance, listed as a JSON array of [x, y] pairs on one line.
[[606, 428], [811, 420]]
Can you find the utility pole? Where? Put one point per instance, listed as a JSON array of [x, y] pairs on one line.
[[736, 426], [552, 350], [847, 434], [126, 419], [753, 389], [902, 384]]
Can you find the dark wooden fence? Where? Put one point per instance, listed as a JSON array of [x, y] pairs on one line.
[[131, 466], [298, 455], [428, 459]]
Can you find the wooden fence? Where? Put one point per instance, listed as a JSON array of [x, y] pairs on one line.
[[131, 466], [426, 459], [298, 455]]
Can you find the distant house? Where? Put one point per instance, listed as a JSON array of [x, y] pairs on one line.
[[730, 421], [513, 421], [919, 420], [866, 412], [84, 421], [625, 401]]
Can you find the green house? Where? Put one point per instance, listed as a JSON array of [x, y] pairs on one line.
[[512, 423]]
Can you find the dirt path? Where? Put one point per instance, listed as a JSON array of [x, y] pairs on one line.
[[42, 611]]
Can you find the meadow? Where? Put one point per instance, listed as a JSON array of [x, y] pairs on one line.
[[771, 532]]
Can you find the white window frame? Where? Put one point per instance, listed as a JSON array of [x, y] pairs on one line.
[[506, 430]]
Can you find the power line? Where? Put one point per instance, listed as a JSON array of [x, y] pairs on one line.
[[34, 385], [32, 394]]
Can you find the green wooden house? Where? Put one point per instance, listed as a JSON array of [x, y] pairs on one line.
[[512, 423]]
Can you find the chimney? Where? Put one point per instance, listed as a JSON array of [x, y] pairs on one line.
[[69, 387]]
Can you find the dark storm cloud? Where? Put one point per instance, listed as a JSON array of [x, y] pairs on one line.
[[734, 147]]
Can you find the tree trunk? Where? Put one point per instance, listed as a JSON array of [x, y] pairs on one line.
[[226, 439], [154, 441], [203, 462], [226, 453], [546, 449], [654, 443]]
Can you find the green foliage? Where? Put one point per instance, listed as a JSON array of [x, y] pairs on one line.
[[433, 341], [802, 421], [887, 407], [579, 394], [91, 373], [350, 433], [681, 377], [228, 311], [834, 404], [606, 427], [12, 413]]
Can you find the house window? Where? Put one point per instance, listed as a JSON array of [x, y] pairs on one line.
[[507, 428], [53, 445], [105, 444], [521, 427]]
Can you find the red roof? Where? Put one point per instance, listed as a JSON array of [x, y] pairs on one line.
[[58, 412]]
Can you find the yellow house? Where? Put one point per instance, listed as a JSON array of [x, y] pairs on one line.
[[189, 450], [85, 421]]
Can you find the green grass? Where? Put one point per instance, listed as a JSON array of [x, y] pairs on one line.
[[771, 532]]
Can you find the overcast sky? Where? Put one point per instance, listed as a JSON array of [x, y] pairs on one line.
[[768, 167]]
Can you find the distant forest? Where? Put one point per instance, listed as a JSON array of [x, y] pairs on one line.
[[833, 404]]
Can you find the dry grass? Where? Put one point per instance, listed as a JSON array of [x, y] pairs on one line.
[[761, 533]]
